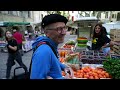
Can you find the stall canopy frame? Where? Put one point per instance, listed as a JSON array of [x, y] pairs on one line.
[[84, 22], [13, 23]]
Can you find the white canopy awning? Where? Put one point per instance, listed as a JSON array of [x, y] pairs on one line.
[[86, 18]]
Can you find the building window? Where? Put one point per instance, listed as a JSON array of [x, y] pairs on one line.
[[106, 15], [15, 13], [113, 15], [4, 12], [41, 16], [118, 17], [10, 12], [29, 14], [21, 13]]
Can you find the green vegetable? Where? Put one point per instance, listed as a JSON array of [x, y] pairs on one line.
[[81, 45], [71, 43], [82, 41], [112, 66]]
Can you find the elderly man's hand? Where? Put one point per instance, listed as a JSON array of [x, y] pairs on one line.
[[69, 73]]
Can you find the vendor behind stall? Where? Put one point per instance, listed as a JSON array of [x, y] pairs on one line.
[[100, 40]]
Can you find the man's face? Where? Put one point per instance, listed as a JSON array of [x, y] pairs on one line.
[[57, 32]]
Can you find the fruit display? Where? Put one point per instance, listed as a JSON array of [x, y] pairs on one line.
[[62, 59], [63, 53], [112, 66], [92, 57], [69, 44], [90, 73]]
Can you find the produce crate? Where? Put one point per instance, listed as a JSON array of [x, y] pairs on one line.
[[91, 71], [114, 31], [115, 34], [73, 60], [92, 57], [70, 47], [115, 56], [116, 47], [115, 38]]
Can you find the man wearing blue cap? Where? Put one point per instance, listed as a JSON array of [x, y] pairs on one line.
[[45, 60]]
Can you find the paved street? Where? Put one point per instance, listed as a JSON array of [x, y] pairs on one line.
[[26, 59], [3, 59]]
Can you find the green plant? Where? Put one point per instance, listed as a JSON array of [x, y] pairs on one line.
[[112, 66]]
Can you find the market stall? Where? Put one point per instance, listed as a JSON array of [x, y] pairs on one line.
[[84, 26], [89, 64]]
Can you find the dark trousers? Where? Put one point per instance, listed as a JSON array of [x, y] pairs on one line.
[[20, 49], [10, 62]]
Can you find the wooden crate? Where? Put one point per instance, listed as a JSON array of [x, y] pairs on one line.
[[115, 37], [115, 32], [116, 47], [116, 51]]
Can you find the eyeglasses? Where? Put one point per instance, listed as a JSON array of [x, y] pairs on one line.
[[59, 29]]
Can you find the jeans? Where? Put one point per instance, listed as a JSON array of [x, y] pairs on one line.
[[106, 50], [10, 62]]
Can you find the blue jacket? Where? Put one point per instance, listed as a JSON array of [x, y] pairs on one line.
[[44, 61]]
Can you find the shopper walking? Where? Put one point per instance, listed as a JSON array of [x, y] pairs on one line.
[[13, 53]]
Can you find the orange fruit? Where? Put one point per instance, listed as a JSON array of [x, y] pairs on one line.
[[86, 76], [91, 77], [96, 77], [107, 75]]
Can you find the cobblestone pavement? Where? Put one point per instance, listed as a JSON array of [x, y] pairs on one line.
[[26, 59]]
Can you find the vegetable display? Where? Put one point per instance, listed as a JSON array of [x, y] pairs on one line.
[[112, 66]]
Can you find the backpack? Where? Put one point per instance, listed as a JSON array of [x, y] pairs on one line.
[[26, 75]]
